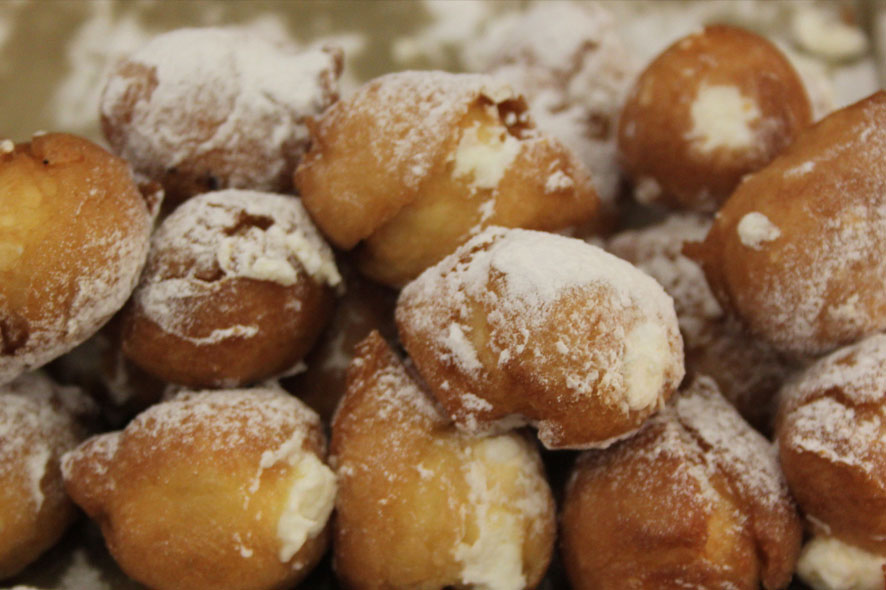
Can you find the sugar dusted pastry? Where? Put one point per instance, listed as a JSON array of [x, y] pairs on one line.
[[422, 505], [711, 108], [210, 489], [204, 109], [237, 288], [415, 163], [570, 62], [74, 233], [523, 327], [38, 424], [695, 500], [831, 442], [748, 371], [790, 252]]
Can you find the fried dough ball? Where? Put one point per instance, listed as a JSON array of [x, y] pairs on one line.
[[74, 233], [712, 107], [364, 306], [218, 489], [523, 327], [204, 109], [237, 288], [422, 505], [38, 424], [570, 62], [790, 253], [695, 500], [748, 371], [832, 442], [415, 163]]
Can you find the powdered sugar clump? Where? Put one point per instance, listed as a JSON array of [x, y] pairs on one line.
[[755, 229]]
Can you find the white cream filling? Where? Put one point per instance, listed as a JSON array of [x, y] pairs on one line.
[[829, 564], [308, 505], [824, 36], [484, 154], [721, 118], [647, 354], [755, 229], [494, 561]]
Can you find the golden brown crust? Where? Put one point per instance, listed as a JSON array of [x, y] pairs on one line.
[[226, 299], [457, 153], [421, 505], [528, 327], [74, 238], [830, 439], [190, 494], [789, 251], [663, 130], [678, 506]]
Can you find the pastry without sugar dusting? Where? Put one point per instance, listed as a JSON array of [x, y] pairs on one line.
[[522, 327], [422, 505], [204, 109], [210, 489], [832, 442], [237, 288], [791, 252], [415, 163], [695, 500], [74, 234], [38, 424]]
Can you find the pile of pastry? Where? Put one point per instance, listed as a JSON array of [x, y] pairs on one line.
[[200, 339]]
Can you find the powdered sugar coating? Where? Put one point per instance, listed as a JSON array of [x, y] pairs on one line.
[[574, 69], [528, 285], [223, 236], [37, 425], [731, 446], [226, 95], [234, 417], [657, 251]]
